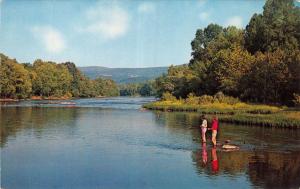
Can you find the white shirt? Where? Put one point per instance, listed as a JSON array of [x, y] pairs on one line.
[[204, 123]]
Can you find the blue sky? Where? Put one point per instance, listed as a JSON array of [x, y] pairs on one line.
[[113, 33]]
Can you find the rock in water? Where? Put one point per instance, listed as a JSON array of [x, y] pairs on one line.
[[230, 146]]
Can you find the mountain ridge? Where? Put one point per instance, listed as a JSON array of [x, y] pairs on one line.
[[124, 75]]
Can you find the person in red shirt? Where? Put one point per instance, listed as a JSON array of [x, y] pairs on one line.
[[214, 128]]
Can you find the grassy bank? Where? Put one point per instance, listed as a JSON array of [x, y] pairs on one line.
[[238, 113]]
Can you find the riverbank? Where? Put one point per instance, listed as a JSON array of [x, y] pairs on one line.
[[8, 100], [50, 98], [36, 98], [239, 113], [43, 98]]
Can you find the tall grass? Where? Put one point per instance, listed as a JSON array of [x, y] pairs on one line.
[[232, 110], [281, 119], [217, 107]]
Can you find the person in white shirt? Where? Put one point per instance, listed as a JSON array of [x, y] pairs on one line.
[[204, 128]]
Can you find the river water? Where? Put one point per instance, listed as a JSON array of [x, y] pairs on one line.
[[112, 143]]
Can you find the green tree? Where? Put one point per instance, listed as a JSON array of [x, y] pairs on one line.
[[131, 89], [179, 81], [233, 64], [51, 79], [15, 79], [147, 88], [81, 86], [277, 27], [267, 81], [201, 41], [105, 87]]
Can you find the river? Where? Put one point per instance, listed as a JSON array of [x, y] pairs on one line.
[[113, 143]]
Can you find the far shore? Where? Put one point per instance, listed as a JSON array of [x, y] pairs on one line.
[[8, 100], [43, 98]]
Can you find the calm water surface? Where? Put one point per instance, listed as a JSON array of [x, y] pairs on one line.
[[111, 143]]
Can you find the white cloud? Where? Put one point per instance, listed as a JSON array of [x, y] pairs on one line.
[[201, 3], [204, 16], [109, 21], [235, 21], [146, 7], [50, 37]]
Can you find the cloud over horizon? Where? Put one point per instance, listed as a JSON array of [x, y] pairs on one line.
[[52, 39], [146, 7], [201, 3], [235, 21], [204, 16], [108, 21]]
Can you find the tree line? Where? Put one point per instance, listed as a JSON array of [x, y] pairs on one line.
[[49, 79], [138, 89], [260, 63]]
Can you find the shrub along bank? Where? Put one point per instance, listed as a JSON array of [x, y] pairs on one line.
[[231, 110]]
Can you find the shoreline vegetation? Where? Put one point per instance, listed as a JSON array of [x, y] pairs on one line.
[[46, 80], [43, 98], [49, 80], [257, 65], [231, 110]]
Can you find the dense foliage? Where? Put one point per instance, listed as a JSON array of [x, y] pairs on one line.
[[48, 79], [258, 64], [138, 89]]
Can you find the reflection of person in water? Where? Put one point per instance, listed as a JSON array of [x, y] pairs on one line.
[[204, 153], [214, 162]]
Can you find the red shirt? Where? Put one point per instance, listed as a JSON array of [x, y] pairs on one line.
[[215, 124]]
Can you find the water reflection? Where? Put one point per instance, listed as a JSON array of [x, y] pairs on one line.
[[15, 119], [269, 157], [214, 161], [274, 170], [203, 162], [204, 154], [147, 141]]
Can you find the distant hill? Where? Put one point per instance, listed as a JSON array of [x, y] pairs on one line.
[[124, 75]]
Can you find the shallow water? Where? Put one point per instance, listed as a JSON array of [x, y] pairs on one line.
[[111, 143]]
